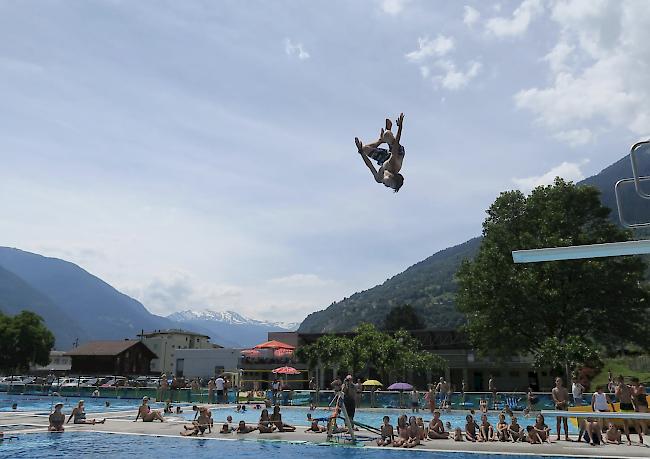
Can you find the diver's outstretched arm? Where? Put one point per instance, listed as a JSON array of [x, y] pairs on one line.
[[399, 122]]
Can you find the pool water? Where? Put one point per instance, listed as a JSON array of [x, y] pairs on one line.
[[90, 444], [298, 416], [44, 404]]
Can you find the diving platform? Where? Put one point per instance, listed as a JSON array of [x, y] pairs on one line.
[[577, 252]]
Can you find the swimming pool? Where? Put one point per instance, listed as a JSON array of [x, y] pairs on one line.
[[373, 417], [90, 444], [44, 404]]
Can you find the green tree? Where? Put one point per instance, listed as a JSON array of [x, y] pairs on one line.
[[566, 355], [24, 340], [513, 308], [403, 317]]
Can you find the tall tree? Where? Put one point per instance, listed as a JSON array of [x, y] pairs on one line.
[[513, 308], [403, 318], [24, 340]]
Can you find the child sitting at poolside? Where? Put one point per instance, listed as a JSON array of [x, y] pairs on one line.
[[502, 432], [316, 427], [200, 425], [242, 428], [515, 431], [265, 425], [613, 435], [402, 431], [457, 435], [413, 434], [436, 428], [387, 434], [470, 428], [539, 432], [485, 431]]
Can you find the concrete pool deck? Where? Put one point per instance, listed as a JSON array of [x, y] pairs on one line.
[[121, 422]]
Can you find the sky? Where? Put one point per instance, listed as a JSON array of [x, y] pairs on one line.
[[200, 154]]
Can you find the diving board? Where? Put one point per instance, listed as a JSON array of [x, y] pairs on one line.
[[577, 252], [600, 414]]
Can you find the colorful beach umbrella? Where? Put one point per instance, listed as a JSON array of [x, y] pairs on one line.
[[372, 382], [286, 371], [274, 345], [400, 386]]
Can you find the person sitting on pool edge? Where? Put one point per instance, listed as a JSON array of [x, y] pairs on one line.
[[387, 433], [413, 433], [79, 415], [200, 425], [485, 431], [539, 432], [57, 419], [436, 428], [515, 431], [265, 425], [276, 418], [147, 414], [470, 428], [402, 431]]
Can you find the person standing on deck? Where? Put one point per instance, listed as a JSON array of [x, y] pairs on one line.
[[211, 387], [220, 385], [624, 394], [577, 389], [561, 400], [492, 387], [350, 395]]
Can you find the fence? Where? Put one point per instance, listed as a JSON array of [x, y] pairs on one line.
[[368, 399]]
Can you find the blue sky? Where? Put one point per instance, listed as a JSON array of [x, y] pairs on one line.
[[200, 154]]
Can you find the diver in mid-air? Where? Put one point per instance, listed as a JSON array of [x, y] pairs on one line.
[[389, 160]]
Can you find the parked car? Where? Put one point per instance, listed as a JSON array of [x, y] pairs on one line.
[[117, 381], [64, 382]]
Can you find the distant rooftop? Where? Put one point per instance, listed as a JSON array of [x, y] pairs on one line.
[[110, 348], [171, 331]]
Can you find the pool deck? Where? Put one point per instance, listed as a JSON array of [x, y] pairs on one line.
[[121, 422]]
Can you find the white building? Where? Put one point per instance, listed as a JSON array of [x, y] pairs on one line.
[[59, 362], [166, 343], [206, 363]]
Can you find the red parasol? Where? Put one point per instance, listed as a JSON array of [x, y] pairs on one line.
[[286, 371], [274, 345]]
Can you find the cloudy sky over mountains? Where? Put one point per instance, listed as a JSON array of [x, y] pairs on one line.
[[200, 154]]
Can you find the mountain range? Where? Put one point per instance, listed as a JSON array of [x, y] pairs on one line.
[[429, 286], [79, 307], [233, 328]]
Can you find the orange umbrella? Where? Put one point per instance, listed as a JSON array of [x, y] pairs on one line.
[[274, 345], [286, 371]]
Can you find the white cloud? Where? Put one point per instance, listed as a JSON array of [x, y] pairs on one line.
[[452, 78], [470, 16], [518, 23], [393, 7], [557, 57], [575, 137], [295, 49], [437, 47], [566, 170], [299, 280], [443, 71], [177, 291], [610, 89]]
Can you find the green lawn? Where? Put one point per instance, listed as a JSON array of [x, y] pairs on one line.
[[621, 366]]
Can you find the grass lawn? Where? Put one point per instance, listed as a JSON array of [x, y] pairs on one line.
[[621, 366]]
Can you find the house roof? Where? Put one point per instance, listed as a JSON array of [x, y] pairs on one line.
[[107, 348], [274, 345], [172, 331]]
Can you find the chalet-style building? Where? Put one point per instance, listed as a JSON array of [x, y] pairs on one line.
[[126, 357]]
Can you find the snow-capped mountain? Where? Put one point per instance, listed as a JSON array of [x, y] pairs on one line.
[[229, 317], [231, 328]]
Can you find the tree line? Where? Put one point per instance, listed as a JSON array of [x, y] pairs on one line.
[[24, 340], [391, 355]]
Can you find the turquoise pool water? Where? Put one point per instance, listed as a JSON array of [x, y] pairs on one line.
[[298, 416], [44, 403], [89, 444]]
